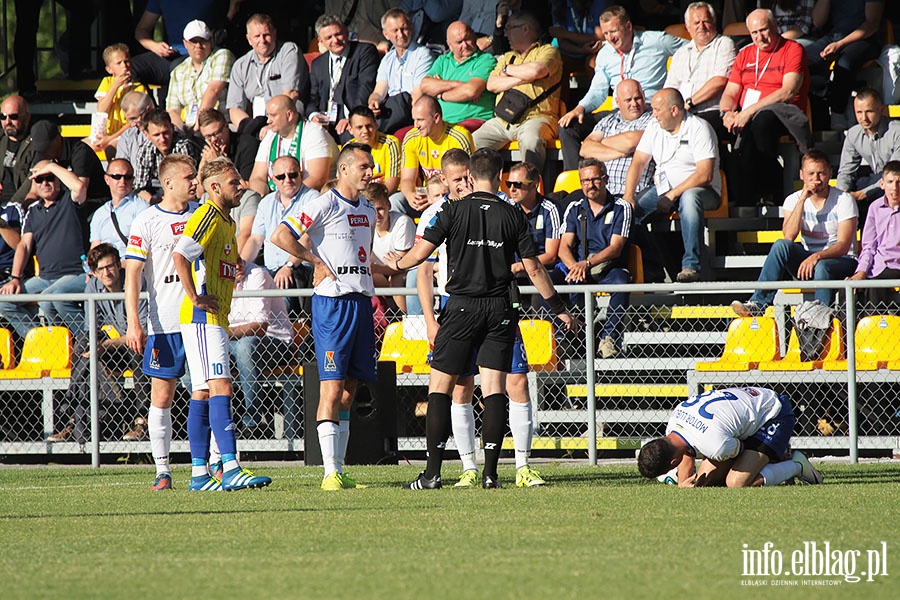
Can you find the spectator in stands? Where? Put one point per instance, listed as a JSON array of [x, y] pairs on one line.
[[458, 79], [134, 106], [794, 18], [54, 232], [686, 153], [288, 198], [112, 353], [400, 73], [499, 43], [542, 214], [288, 134], [616, 136], [768, 78], [362, 19], [241, 150], [72, 154], [111, 223], [531, 69], [112, 90], [201, 80], [385, 148], [868, 146], [262, 337], [422, 149], [595, 235], [342, 78], [825, 219], [11, 216], [627, 54], [155, 65], [850, 38], [700, 68], [270, 68], [161, 140], [879, 257], [574, 28], [15, 142], [395, 234]]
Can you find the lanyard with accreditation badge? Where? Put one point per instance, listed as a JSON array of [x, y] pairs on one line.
[[753, 94]]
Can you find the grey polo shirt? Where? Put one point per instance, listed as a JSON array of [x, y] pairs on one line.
[[251, 78], [874, 151]]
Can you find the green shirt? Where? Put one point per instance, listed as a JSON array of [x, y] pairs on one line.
[[479, 65]]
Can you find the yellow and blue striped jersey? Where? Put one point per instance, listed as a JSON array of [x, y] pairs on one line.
[[209, 243]]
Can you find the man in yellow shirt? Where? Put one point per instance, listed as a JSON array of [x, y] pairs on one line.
[[423, 147], [385, 147], [205, 258]]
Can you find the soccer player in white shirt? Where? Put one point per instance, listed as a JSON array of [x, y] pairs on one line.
[[340, 226], [743, 434], [154, 234]]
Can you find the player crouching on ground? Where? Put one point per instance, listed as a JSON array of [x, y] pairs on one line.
[[743, 434]]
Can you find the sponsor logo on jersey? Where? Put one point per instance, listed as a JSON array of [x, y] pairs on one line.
[[178, 228], [305, 220], [136, 241], [227, 249], [429, 173], [329, 361], [353, 270], [154, 358], [362, 255], [358, 220], [227, 270]]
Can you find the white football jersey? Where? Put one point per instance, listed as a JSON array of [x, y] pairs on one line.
[[341, 233], [154, 234], [440, 254], [716, 422]]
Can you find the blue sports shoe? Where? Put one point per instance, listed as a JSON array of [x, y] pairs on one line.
[[205, 483], [215, 470], [240, 478]]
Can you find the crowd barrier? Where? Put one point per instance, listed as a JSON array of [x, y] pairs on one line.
[[679, 339]]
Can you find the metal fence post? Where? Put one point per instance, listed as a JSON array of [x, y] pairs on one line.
[[852, 421], [589, 367], [95, 396]]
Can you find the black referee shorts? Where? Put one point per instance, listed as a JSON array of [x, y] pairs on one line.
[[469, 324]]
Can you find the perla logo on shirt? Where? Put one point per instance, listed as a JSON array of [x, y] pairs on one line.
[[358, 220], [178, 228]]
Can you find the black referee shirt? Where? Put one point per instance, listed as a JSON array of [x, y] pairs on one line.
[[483, 235]]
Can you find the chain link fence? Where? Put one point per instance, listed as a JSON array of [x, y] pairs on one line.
[[80, 392]]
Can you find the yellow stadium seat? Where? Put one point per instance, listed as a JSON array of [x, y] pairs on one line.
[[540, 344], [410, 355], [567, 181], [721, 211], [750, 340], [7, 354], [877, 345], [635, 259], [678, 30], [47, 351], [832, 351], [514, 145]]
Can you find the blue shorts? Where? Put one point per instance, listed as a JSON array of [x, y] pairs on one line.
[[519, 360], [164, 356], [344, 333], [774, 436]]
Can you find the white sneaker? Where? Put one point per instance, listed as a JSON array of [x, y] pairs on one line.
[[808, 473]]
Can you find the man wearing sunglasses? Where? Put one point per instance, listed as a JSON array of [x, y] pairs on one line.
[[289, 197], [54, 232], [111, 222], [15, 119]]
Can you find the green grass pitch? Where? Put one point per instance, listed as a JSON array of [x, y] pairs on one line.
[[595, 532]]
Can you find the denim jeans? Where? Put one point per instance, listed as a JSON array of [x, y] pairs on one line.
[[251, 355], [23, 316], [690, 206], [784, 259]]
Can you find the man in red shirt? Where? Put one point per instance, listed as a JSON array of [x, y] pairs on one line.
[[768, 76]]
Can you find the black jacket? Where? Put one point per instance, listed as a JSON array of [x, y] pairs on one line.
[[356, 83]]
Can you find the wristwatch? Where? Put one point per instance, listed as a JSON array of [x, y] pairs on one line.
[[288, 264], [690, 103], [503, 70]]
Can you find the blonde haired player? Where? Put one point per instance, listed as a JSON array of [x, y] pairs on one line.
[[205, 258]]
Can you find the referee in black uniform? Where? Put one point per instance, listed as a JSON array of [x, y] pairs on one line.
[[483, 234]]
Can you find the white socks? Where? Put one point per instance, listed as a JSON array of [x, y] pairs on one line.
[[462, 419], [343, 440], [159, 427], [522, 428], [775, 473], [329, 443]]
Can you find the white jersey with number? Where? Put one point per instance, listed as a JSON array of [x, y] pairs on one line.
[[440, 253], [341, 233], [154, 234], [716, 422]]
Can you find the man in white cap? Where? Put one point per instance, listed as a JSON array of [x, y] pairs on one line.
[[201, 81]]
